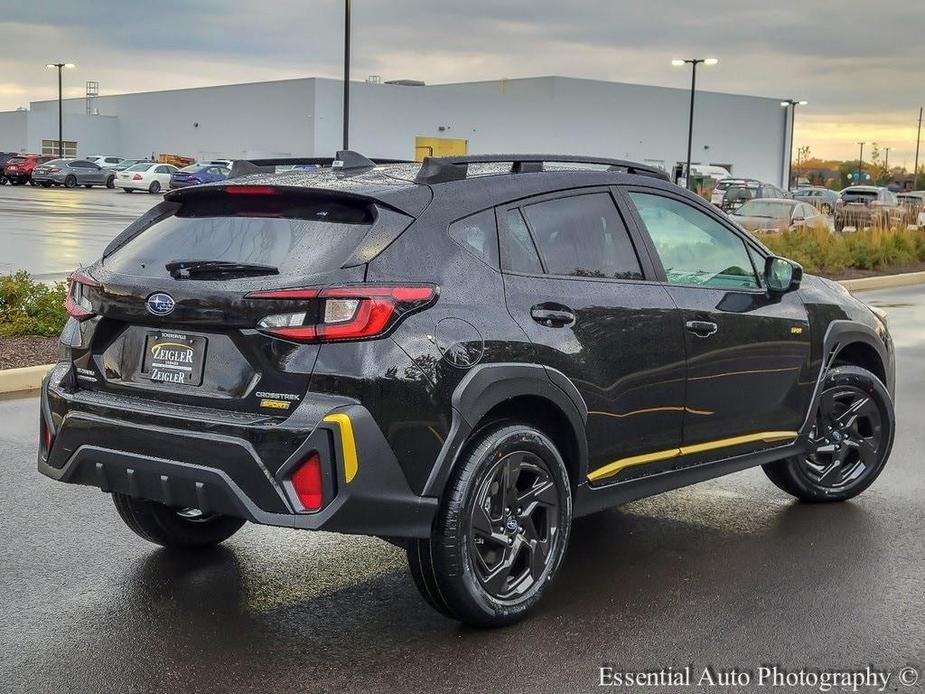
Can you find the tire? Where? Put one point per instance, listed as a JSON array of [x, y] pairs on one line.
[[166, 526], [111, 182], [15, 182], [850, 455], [46, 184], [70, 181], [88, 185], [839, 225], [464, 570], [825, 208], [155, 187], [128, 190]]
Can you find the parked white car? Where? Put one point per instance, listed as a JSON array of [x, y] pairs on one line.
[[145, 176], [105, 162]]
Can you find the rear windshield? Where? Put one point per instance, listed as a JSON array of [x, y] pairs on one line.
[[16, 160], [298, 237], [139, 167], [859, 194], [765, 208], [741, 193]]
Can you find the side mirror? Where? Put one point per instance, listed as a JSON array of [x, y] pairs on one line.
[[782, 275]]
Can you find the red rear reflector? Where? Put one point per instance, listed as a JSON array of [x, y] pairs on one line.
[[306, 481], [252, 190]]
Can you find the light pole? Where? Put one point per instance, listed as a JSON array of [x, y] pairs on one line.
[[860, 162], [693, 62], [60, 107], [346, 74], [792, 105], [915, 167]]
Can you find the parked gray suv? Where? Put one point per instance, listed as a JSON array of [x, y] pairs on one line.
[[71, 173]]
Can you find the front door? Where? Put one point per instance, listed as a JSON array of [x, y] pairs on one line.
[[749, 380], [577, 286]]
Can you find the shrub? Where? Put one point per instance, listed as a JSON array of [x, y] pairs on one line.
[[28, 307], [820, 251]]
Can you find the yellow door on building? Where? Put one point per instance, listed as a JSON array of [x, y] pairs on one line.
[[439, 147]]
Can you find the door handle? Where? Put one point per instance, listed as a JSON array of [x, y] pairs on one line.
[[553, 315], [701, 328]]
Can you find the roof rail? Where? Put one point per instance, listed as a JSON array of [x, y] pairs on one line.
[[344, 160], [444, 169]]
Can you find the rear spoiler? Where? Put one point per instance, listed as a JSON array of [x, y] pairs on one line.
[[345, 160]]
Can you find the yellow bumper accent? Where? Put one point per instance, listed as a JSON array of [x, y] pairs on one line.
[[347, 443], [613, 468]]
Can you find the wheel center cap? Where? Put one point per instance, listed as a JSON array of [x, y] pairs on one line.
[[837, 436], [511, 524]]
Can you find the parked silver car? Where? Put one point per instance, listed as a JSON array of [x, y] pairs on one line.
[[71, 173]]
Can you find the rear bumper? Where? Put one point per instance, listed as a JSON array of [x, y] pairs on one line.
[[225, 463]]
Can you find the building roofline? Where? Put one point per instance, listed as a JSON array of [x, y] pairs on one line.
[[534, 78]]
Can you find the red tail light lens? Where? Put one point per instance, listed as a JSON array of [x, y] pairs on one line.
[[345, 313], [137, 177], [252, 190], [307, 483], [77, 303]]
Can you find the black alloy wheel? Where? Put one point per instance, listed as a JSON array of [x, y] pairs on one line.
[[513, 525], [848, 435], [70, 181], [501, 529], [851, 438]]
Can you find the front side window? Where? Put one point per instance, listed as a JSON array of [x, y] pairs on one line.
[[478, 235], [694, 248], [583, 236]]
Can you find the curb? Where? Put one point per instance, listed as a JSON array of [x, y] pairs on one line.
[[30, 377], [25, 379], [884, 281]]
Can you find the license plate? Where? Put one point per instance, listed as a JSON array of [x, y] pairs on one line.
[[174, 358]]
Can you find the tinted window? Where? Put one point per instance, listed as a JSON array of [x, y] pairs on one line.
[[517, 250], [81, 164], [693, 247], [478, 235], [583, 236], [298, 236]]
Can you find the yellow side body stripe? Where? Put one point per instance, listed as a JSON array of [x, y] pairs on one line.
[[613, 468], [347, 444]]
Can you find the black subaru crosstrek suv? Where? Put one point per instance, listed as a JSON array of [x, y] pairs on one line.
[[459, 356]]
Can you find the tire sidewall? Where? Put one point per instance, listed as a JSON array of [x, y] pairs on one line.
[[468, 597]]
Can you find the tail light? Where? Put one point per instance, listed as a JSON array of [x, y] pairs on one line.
[[47, 437], [344, 313], [77, 303], [53, 169], [137, 177], [307, 483]]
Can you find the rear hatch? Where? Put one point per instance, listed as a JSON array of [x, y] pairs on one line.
[[186, 307], [858, 198]]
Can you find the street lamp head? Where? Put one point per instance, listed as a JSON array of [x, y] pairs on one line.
[[69, 65], [60, 65], [710, 61], [677, 62], [802, 102]]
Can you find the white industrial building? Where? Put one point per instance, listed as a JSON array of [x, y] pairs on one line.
[[747, 134]]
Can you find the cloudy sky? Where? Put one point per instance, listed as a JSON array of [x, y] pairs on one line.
[[860, 64]]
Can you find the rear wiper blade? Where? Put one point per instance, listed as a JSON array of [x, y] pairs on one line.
[[185, 269]]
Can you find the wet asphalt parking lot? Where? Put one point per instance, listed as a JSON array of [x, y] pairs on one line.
[[728, 574]]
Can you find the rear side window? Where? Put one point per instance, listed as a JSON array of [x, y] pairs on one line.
[[478, 234], [296, 236], [518, 253], [583, 236]]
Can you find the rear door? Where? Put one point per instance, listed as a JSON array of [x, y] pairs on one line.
[[749, 380], [577, 284]]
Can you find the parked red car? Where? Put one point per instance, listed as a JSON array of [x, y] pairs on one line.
[[18, 170]]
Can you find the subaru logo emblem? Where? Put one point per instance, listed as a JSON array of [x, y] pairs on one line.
[[160, 304]]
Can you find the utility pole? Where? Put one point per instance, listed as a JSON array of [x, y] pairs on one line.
[[346, 74], [59, 66], [860, 162], [918, 141], [693, 62]]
